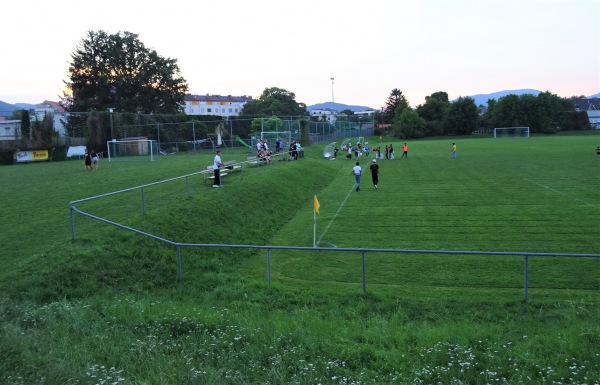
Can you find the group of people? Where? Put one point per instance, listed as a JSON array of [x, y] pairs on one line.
[[359, 149], [90, 160], [294, 150], [357, 172], [389, 154]]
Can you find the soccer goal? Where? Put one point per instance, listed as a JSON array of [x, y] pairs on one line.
[[511, 132], [272, 137], [329, 151], [132, 150]]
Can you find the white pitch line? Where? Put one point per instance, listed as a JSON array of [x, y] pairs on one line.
[[338, 211], [562, 193]]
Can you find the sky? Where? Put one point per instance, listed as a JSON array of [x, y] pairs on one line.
[[369, 48]]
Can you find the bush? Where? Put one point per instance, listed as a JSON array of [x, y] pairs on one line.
[[6, 157]]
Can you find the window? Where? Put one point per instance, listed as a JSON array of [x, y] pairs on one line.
[[209, 110]]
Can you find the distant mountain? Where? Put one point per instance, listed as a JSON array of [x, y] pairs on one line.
[[7, 109], [25, 106], [337, 106], [482, 99]]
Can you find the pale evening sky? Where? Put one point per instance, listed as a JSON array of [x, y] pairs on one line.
[[240, 47]]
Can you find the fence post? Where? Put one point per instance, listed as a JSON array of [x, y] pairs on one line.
[[72, 223], [179, 265], [364, 275], [526, 276], [269, 266]]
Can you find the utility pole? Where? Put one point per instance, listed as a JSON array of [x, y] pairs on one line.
[[332, 99]]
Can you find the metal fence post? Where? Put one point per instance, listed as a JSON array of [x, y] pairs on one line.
[[269, 266], [364, 274], [179, 265], [72, 223], [526, 276]]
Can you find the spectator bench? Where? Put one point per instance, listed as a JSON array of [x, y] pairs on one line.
[[230, 166]]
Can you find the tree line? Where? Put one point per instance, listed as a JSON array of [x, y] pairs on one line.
[[117, 72], [438, 116]]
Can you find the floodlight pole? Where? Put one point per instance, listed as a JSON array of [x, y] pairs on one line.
[[112, 131], [332, 99]]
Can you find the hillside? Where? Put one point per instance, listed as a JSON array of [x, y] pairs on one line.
[[337, 107]]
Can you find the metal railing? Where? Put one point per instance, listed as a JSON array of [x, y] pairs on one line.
[[269, 248]]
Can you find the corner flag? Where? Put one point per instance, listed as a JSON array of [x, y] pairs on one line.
[[317, 205]]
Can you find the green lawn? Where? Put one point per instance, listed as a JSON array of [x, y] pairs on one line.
[[107, 306]]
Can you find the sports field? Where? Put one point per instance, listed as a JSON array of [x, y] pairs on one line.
[[107, 307], [504, 195]]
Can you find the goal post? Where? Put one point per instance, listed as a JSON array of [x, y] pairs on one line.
[[511, 132], [132, 150]]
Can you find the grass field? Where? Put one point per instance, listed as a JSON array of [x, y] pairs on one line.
[[107, 307]]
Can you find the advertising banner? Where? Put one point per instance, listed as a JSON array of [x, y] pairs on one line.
[[32, 156]]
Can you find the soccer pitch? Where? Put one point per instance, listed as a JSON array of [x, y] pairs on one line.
[[537, 194]]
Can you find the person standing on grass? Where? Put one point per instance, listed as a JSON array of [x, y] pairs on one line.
[[367, 149], [216, 164], [95, 162], [454, 150], [375, 173], [357, 172], [87, 160], [405, 151]]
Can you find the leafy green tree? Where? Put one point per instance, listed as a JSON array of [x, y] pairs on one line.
[[434, 112], [267, 124], [274, 101], [409, 125], [118, 71], [462, 117], [44, 133], [507, 112]]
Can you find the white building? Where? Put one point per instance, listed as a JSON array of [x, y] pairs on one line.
[[224, 106], [56, 111], [325, 114], [592, 108], [9, 129]]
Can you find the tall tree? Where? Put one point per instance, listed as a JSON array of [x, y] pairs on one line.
[[434, 112], [395, 100], [463, 117], [409, 125], [25, 125], [118, 71], [274, 102]]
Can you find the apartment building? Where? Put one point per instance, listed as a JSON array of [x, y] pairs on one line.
[[224, 106]]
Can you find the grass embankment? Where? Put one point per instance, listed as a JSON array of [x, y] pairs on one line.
[[106, 308]]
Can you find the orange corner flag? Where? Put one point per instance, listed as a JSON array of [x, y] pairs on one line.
[[317, 205]]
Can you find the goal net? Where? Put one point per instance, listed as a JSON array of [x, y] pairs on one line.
[[132, 150], [329, 151], [273, 137], [511, 132]]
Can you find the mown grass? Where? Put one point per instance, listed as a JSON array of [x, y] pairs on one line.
[[107, 308]]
